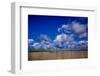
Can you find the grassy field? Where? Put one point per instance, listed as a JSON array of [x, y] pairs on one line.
[[49, 55]]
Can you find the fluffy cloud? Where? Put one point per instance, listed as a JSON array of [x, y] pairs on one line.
[[61, 37], [44, 43], [44, 37], [30, 41], [36, 46], [65, 29], [66, 40], [83, 35], [83, 44], [78, 28]]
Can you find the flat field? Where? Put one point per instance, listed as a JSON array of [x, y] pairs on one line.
[[53, 55]]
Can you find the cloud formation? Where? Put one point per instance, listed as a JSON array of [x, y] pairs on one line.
[[78, 28], [30, 41], [65, 29], [71, 37]]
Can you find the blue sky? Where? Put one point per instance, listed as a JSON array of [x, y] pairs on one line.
[[48, 25], [57, 26]]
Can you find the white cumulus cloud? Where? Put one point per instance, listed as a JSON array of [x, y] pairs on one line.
[[36, 46], [44, 37], [61, 37], [65, 29], [78, 28], [83, 35], [64, 41], [30, 41]]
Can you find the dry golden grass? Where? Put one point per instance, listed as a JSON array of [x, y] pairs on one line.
[[45, 55]]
